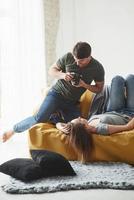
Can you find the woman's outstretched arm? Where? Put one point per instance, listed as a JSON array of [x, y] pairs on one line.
[[94, 124], [118, 128]]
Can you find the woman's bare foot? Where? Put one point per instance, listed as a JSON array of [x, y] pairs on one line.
[[7, 135]]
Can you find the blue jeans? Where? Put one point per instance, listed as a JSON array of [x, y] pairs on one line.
[[122, 95], [52, 103]]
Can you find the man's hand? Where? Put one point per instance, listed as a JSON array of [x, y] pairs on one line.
[[81, 84], [68, 76]]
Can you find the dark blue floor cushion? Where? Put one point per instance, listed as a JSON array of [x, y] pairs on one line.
[[24, 169], [52, 163]]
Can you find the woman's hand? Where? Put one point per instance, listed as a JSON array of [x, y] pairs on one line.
[[130, 124], [63, 127]]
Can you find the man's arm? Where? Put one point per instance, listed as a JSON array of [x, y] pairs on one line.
[[93, 88], [57, 73]]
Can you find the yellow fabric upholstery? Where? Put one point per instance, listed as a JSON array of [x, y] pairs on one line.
[[117, 147]]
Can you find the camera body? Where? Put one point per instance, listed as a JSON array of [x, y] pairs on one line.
[[76, 78], [73, 69]]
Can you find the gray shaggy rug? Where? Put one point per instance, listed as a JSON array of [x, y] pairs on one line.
[[92, 175]]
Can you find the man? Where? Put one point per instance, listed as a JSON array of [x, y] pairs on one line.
[[75, 71]]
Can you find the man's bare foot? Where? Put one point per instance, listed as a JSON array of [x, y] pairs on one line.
[[7, 135]]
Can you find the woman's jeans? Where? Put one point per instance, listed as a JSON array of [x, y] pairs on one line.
[[52, 103], [121, 97]]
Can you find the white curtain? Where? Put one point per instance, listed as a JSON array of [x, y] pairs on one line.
[[22, 58]]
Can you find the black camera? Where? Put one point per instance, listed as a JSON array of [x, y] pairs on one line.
[[76, 78]]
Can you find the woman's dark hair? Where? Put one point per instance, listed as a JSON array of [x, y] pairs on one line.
[[82, 50], [81, 140]]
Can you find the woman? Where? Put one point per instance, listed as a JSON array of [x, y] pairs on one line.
[[118, 117]]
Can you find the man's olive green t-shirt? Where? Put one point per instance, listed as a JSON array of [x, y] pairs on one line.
[[93, 71]]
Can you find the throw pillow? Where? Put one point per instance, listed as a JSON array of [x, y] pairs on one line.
[[52, 163], [22, 168]]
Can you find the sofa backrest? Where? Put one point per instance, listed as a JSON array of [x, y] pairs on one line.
[[85, 103]]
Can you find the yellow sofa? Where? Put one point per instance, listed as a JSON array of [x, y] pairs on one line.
[[117, 147]]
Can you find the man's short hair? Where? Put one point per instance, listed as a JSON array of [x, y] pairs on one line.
[[82, 50]]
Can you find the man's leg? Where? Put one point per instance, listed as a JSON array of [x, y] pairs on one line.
[[49, 106], [117, 94], [130, 92], [70, 111]]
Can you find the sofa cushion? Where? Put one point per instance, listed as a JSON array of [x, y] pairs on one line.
[[84, 103], [116, 147]]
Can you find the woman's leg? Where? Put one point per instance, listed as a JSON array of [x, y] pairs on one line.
[[117, 94], [130, 92]]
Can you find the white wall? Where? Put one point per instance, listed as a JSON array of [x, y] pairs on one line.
[[107, 25]]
